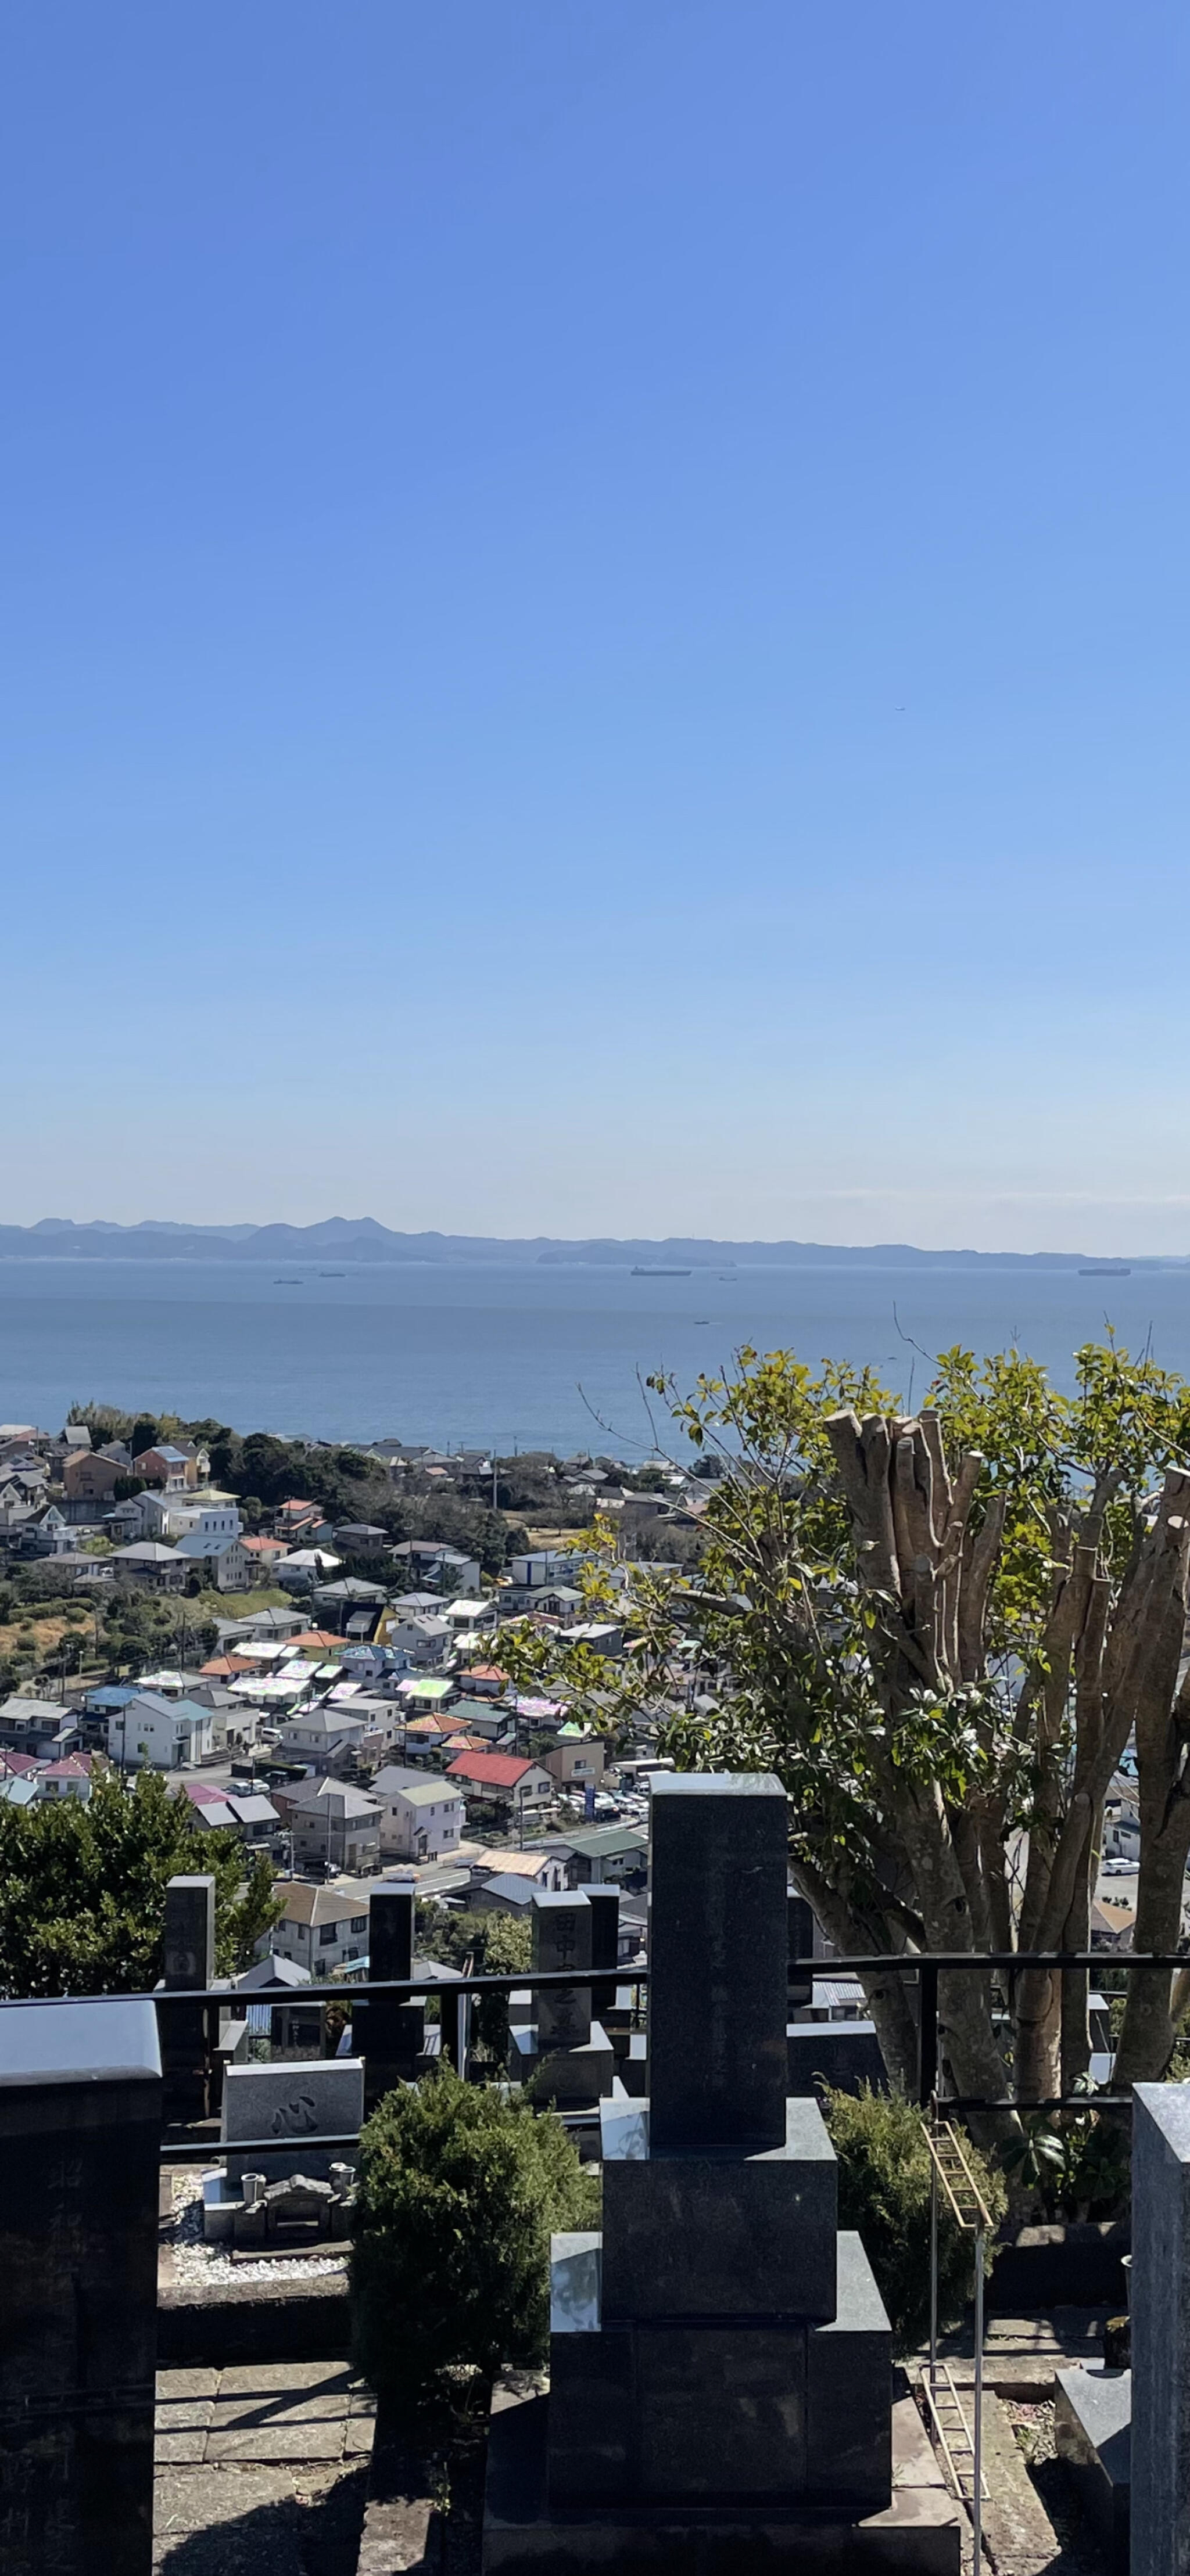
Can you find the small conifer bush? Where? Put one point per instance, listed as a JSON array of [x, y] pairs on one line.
[[459, 2190]]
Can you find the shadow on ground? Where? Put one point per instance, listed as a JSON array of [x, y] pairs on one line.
[[260, 2522]]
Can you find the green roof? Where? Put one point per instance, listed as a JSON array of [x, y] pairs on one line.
[[431, 1689]]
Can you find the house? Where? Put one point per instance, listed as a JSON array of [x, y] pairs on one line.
[[39, 1727], [323, 1737], [577, 1761], [536, 1868], [485, 1681], [89, 1478], [218, 1561], [168, 1734], [437, 1568], [504, 1894], [332, 1822], [360, 1538], [148, 1562], [421, 1819], [261, 1627], [125, 1521], [246, 1812], [301, 1523], [264, 1556], [603, 1854], [338, 1601], [69, 1777], [321, 1928], [466, 1618], [505, 1778], [168, 1466], [426, 1642]]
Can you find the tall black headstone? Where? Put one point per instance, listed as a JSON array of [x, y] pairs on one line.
[[389, 2034], [718, 1960], [188, 1966], [80, 2133]]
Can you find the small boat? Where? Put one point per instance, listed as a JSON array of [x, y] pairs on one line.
[[647, 1270], [332, 1274], [1106, 1270], [288, 1283]]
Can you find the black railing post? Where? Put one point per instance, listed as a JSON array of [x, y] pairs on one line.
[[927, 2033]]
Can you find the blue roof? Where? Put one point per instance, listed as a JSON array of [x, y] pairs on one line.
[[111, 1695]]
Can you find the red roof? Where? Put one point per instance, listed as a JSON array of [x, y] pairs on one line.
[[73, 1766], [17, 1765], [489, 1770]]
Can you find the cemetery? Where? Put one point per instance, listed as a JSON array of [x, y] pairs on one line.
[[717, 2381]]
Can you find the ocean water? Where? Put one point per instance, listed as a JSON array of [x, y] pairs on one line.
[[515, 1356]]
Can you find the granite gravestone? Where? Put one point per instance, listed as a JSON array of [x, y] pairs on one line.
[[563, 2053], [323, 2098], [389, 2035], [80, 2133], [188, 1965], [720, 2360], [1160, 2465]]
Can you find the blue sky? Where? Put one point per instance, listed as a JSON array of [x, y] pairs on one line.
[[593, 616]]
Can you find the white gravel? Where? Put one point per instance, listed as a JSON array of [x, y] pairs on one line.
[[195, 2260]]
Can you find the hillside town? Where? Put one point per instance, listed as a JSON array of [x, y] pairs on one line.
[[346, 1722], [337, 1720]]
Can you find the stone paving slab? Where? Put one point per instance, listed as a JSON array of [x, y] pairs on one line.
[[263, 2414]]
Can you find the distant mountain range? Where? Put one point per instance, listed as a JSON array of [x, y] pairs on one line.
[[363, 1239]]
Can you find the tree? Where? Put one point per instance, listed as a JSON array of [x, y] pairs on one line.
[[82, 1889], [941, 1630], [145, 1434], [490, 1944]]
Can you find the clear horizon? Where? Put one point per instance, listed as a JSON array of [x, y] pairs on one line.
[[594, 619]]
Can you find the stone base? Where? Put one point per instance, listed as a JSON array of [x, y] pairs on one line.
[[572, 2079], [1093, 2435], [523, 2535]]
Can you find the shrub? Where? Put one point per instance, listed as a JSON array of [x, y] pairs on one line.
[[884, 2193], [459, 2191]]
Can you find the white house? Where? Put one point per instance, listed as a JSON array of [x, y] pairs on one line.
[[321, 1736], [321, 1927], [217, 1555], [169, 1734], [422, 1817]]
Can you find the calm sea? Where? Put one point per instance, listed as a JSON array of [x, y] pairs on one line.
[[516, 1356]]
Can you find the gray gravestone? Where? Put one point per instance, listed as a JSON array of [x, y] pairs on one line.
[[718, 1959], [188, 1965], [80, 2132], [562, 1939], [1160, 2466], [389, 2036], [323, 2098]]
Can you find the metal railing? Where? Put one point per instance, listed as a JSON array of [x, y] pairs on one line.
[[924, 1967]]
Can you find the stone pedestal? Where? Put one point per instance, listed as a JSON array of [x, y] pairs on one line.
[[1161, 2330], [80, 2132], [390, 2037], [188, 1964], [562, 2053], [720, 2359]]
